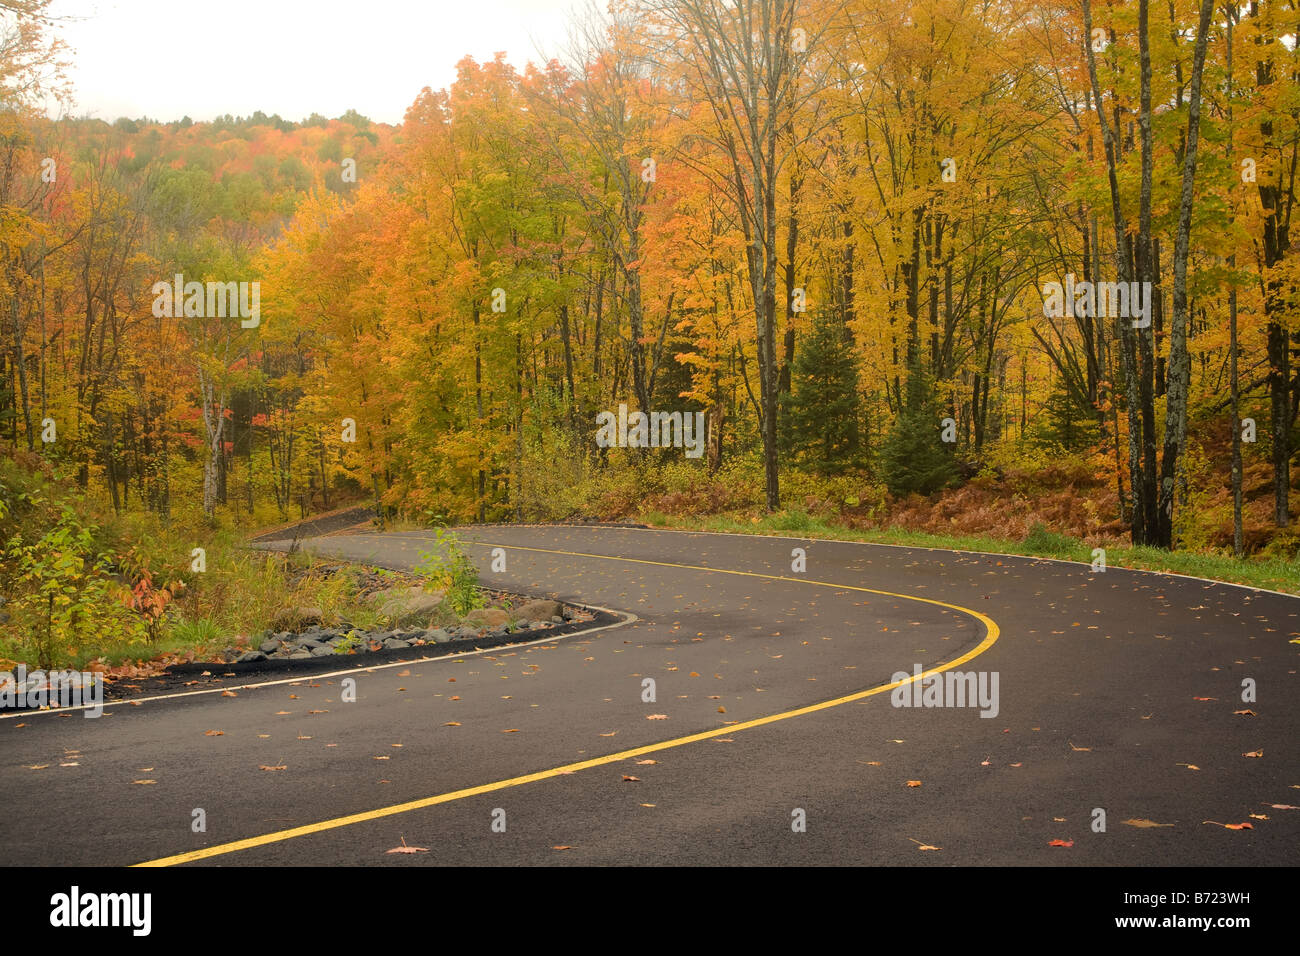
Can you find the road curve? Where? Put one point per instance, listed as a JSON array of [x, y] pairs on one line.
[[773, 734]]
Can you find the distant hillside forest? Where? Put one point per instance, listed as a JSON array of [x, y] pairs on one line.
[[949, 264]]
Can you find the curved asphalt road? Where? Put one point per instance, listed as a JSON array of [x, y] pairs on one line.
[[1098, 678]]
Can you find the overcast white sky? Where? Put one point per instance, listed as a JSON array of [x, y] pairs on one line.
[[169, 58]]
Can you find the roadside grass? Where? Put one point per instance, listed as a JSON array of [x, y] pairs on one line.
[[1272, 573]]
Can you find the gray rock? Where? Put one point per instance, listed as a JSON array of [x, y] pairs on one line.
[[299, 655], [567, 614], [322, 651], [269, 646], [438, 635], [538, 610], [250, 656], [310, 643], [557, 620], [393, 644], [406, 606], [488, 616]]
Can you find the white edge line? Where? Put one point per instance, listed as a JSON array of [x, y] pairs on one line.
[[628, 618]]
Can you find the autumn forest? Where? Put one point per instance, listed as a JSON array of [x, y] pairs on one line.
[[955, 265]]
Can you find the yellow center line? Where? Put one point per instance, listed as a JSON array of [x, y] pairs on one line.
[[990, 638]]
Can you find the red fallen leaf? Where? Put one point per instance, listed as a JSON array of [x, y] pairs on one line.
[[408, 849], [453, 698], [1061, 843], [451, 723], [561, 848], [1254, 753], [1205, 698], [512, 730], [1231, 826], [1243, 713], [631, 779], [228, 693], [293, 696], [265, 767], [451, 680], [214, 733], [656, 717], [405, 673], [914, 783]]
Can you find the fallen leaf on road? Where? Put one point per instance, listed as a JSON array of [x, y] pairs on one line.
[[1145, 823], [405, 673], [561, 848], [1254, 753], [1205, 698], [383, 757], [656, 717], [924, 846], [1243, 713], [263, 735], [642, 763], [293, 696], [228, 693], [610, 734], [265, 767], [1061, 843], [914, 783], [408, 849], [1017, 765], [318, 711], [512, 730], [1282, 806], [451, 723], [647, 804], [38, 766], [723, 740], [453, 698], [631, 779], [1231, 826], [1077, 749], [281, 713], [1189, 766], [144, 781], [214, 733], [1259, 816]]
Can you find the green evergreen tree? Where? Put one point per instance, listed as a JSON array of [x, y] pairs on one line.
[[821, 415], [913, 457]]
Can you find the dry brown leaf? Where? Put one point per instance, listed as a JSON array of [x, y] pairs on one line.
[[630, 779], [408, 849], [722, 710], [265, 767], [561, 848], [512, 730], [1243, 713], [144, 781], [228, 693], [643, 763], [281, 713], [318, 711], [1061, 843], [1140, 822], [914, 783], [214, 733], [452, 723], [656, 717], [1254, 753]]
